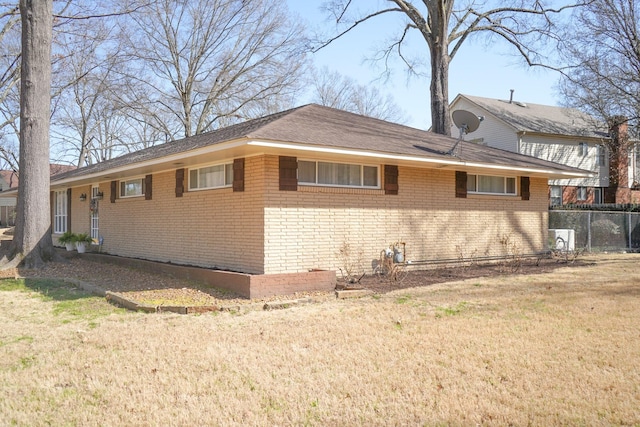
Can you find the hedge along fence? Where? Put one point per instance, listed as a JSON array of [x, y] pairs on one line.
[[600, 230]]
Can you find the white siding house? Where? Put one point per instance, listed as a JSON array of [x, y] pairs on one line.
[[561, 135]]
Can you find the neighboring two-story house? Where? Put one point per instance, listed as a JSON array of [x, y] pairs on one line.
[[561, 135]]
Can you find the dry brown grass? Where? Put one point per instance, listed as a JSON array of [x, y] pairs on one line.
[[557, 348]]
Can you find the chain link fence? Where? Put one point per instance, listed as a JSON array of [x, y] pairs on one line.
[[599, 230]]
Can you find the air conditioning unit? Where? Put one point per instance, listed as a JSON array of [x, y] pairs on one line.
[[562, 239]]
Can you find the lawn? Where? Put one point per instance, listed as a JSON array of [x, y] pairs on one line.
[[559, 348]]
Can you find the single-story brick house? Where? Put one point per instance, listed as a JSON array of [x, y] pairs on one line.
[[278, 196]]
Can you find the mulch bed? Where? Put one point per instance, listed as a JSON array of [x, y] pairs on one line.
[[157, 289], [462, 271]]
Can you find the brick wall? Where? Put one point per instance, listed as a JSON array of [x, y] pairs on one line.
[[80, 214], [215, 228], [304, 229]]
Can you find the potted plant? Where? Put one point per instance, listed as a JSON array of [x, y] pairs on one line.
[[68, 239], [82, 240]]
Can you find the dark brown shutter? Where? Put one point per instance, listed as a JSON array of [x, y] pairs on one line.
[[288, 173], [68, 209], [461, 184], [114, 191], [148, 190], [179, 182], [524, 187], [238, 174], [391, 179]]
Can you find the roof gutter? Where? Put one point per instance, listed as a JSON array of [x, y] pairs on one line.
[[152, 162], [444, 162]]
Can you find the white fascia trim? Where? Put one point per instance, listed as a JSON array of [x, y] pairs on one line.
[[364, 153], [168, 159]]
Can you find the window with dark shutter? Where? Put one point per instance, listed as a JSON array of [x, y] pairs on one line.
[[461, 184], [148, 191], [524, 187], [238, 174], [288, 173], [179, 182], [114, 191], [391, 179]]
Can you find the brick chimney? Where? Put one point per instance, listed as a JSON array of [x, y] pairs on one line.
[[618, 191]]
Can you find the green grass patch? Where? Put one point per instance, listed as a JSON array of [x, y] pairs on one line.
[[68, 300], [403, 299], [26, 338], [452, 310]]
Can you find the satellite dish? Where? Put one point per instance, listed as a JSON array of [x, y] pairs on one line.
[[466, 122]]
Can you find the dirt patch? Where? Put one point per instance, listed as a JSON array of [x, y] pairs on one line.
[[450, 273]]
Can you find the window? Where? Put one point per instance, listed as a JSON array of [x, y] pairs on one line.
[[556, 195], [602, 155], [583, 149], [485, 184], [216, 176], [337, 174], [598, 195], [60, 213], [582, 194], [132, 188]]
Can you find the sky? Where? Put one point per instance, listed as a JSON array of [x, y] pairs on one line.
[[477, 69]]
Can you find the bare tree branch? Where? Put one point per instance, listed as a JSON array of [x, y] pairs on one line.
[[446, 29]]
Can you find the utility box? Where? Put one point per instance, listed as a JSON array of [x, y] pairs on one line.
[[562, 239]]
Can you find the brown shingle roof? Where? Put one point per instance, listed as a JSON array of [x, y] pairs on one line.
[[320, 126]]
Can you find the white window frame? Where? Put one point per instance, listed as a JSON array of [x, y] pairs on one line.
[[227, 166], [123, 183], [583, 149], [60, 212], [555, 200], [360, 165], [95, 218], [598, 195], [582, 194], [504, 185], [602, 156]]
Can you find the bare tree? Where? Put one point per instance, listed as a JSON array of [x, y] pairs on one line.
[[601, 56], [9, 84], [205, 60], [333, 89], [32, 243], [93, 120], [445, 25]]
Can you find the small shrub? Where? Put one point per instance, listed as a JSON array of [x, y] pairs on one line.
[[351, 264], [512, 252], [67, 237]]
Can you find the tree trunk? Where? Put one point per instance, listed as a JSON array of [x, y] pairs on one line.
[[440, 115], [32, 240], [437, 37]]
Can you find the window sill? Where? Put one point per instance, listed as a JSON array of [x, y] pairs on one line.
[[339, 190], [494, 196]]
